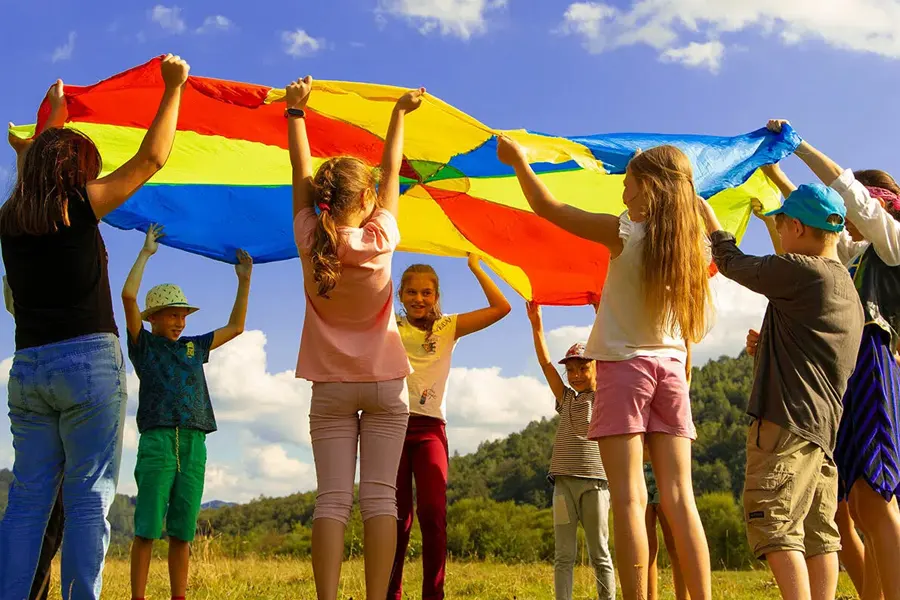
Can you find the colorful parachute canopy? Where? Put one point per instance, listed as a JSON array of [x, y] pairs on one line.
[[227, 182]]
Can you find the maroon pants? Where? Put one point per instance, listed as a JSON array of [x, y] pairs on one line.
[[426, 457]]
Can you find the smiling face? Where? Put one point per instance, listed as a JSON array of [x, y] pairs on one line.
[[168, 322], [419, 295], [582, 374]]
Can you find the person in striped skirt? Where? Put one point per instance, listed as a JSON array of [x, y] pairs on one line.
[[580, 489]]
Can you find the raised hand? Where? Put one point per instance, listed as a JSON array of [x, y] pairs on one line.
[[174, 71], [775, 125], [244, 268], [757, 208], [296, 93], [752, 342], [20, 145], [474, 261], [509, 152], [56, 95], [151, 242], [533, 309], [410, 101]]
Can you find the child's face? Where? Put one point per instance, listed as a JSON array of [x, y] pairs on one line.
[[168, 322], [634, 200], [791, 232], [418, 296], [582, 374]]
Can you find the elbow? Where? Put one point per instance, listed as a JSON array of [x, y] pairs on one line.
[[128, 296], [503, 309]]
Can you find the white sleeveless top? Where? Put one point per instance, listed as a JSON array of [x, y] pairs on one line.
[[622, 329], [430, 358]]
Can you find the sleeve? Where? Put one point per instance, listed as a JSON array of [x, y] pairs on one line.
[[202, 344], [848, 249], [304, 228], [875, 223], [381, 232], [137, 350], [626, 227], [568, 395], [452, 320], [772, 276]]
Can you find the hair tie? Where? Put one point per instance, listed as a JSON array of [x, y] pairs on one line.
[[889, 197], [324, 207]]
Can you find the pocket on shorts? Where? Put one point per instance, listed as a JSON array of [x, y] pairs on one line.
[[768, 497]]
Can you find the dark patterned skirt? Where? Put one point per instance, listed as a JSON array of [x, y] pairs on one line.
[[868, 442]]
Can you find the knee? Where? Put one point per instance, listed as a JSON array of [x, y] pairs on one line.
[[334, 505], [377, 501], [564, 557], [432, 512]]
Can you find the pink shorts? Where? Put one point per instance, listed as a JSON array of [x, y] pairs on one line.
[[641, 395]]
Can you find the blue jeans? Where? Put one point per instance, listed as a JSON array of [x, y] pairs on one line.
[[67, 409]]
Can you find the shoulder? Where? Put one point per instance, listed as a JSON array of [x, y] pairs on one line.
[[304, 226], [446, 324]]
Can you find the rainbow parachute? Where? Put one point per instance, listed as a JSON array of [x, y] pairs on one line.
[[227, 182]]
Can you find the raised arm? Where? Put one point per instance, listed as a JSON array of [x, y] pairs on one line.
[[498, 306], [133, 320], [769, 222], [235, 326], [554, 380], [392, 158], [596, 227], [59, 113], [110, 192], [296, 96]]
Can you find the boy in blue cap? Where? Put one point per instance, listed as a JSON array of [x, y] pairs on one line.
[[805, 354]]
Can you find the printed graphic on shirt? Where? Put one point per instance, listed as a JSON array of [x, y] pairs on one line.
[[429, 354]]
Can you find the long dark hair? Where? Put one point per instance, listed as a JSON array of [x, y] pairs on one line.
[[57, 166], [337, 189]]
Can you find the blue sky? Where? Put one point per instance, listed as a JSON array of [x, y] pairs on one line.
[[565, 68]]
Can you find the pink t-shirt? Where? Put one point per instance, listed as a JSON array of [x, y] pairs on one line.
[[352, 335]]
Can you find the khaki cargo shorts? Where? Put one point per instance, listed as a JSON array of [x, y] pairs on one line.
[[790, 494]]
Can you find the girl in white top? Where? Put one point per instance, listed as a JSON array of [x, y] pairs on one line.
[[656, 299], [429, 338]]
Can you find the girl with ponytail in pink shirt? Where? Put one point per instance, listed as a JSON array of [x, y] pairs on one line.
[[346, 233]]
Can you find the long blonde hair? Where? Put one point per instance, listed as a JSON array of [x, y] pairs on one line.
[[675, 264], [338, 187]]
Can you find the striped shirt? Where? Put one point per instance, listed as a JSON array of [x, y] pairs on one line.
[[574, 454]]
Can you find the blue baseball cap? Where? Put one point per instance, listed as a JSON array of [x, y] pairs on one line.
[[812, 204]]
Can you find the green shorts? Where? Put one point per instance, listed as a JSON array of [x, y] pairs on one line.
[[170, 469]]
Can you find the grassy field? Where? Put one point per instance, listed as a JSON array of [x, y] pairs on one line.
[[292, 580]]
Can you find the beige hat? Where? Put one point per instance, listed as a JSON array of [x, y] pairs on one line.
[[165, 295]]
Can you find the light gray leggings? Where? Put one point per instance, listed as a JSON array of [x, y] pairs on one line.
[[587, 501]]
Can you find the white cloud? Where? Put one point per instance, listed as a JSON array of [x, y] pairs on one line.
[[707, 56], [460, 18], [687, 31], [130, 436], [216, 23], [298, 43], [169, 18], [64, 52]]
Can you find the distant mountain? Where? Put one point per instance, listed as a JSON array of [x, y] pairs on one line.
[[214, 504]]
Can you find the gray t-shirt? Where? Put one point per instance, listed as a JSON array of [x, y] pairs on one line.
[[808, 341]]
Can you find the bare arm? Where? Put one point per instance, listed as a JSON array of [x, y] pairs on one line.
[[297, 96], [543, 354], [688, 367], [392, 158], [596, 227], [769, 222], [110, 192], [235, 326], [133, 320], [59, 113], [498, 306]]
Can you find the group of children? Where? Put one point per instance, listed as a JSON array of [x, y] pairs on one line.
[[825, 349]]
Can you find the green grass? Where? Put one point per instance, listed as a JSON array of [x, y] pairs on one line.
[[290, 579]]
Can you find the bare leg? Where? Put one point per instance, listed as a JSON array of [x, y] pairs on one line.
[[379, 546], [823, 573], [622, 457], [141, 552], [179, 561], [789, 569], [328, 551], [681, 592], [653, 548], [880, 522], [871, 588], [671, 458], [852, 553]]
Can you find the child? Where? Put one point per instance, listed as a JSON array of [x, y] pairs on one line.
[[804, 355], [867, 451], [654, 513], [655, 300], [174, 414], [429, 338], [580, 489], [351, 349]]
